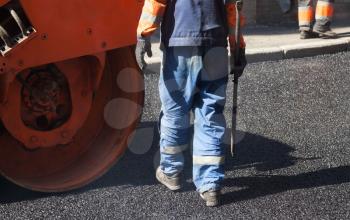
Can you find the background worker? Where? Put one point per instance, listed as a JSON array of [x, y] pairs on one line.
[[193, 77], [323, 15]]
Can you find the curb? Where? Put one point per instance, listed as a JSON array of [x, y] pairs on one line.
[[298, 50], [264, 54]]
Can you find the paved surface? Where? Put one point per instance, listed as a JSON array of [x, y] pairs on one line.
[[293, 158]]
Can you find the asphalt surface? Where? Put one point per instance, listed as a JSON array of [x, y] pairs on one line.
[[293, 160]]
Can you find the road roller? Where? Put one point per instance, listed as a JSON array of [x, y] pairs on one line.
[[71, 93]]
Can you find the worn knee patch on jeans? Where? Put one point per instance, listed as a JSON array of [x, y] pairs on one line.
[[174, 130]]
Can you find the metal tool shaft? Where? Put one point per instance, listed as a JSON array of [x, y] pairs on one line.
[[239, 5]]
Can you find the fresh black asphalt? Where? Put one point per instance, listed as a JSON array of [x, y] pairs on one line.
[[293, 158]]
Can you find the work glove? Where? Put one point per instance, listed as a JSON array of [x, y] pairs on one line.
[[143, 46], [239, 63]]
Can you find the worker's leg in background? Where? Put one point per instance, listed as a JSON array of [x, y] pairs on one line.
[[177, 85], [306, 19], [305, 15], [209, 125], [324, 15]]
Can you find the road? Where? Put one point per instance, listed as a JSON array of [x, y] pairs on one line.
[[293, 158]]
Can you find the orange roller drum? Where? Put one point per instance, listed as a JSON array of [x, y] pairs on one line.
[[65, 113]]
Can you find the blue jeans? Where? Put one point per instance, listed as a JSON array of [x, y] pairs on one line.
[[194, 79]]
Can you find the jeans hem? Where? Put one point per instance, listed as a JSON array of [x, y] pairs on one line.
[[208, 187]]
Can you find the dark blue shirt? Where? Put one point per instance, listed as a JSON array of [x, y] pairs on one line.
[[194, 23]]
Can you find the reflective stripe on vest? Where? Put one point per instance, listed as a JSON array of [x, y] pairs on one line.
[[152, 14]]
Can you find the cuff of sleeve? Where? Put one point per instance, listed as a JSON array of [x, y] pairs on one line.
[[152, 14]]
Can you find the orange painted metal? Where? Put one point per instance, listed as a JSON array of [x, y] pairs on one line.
[[78, 73], [69, 29], [3, 2], [96, 146], [90, 42]]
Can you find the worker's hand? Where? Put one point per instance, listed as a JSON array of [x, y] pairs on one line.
[[239, 63], [143, 46]]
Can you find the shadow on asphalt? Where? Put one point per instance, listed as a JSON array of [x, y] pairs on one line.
[[258, 186], [253, 151]]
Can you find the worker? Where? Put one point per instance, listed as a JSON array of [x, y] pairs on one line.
[[323, 15], [194, 76]]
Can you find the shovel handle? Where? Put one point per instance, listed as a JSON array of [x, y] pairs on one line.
[[239, 6]]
